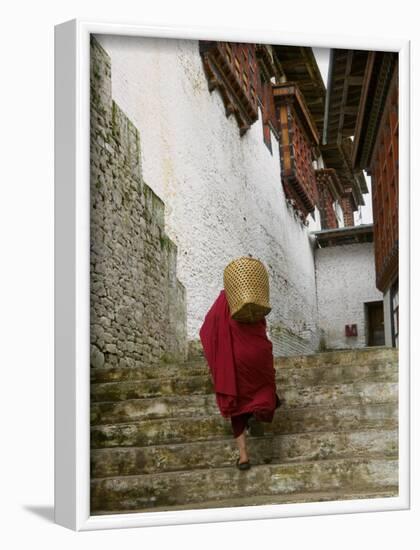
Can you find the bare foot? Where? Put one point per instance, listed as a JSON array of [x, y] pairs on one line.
[[243, 454]]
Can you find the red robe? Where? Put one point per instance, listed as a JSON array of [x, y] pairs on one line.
[[240, 359]]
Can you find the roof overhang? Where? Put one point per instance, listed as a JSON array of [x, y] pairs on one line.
[[345, 82], [299, 65], [344, 235]]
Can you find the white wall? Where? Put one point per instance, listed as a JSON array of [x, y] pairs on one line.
[[314, 224], [345, 277], [364, 213], [222, 192]]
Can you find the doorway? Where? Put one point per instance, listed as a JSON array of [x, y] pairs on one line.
[[375, 323]]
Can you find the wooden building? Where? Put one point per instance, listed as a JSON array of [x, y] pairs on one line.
[[362, 103], [285, 83]]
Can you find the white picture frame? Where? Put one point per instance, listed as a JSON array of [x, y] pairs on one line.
[[72, 240]]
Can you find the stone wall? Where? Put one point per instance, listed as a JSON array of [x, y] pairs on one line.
[[223, 192], [345, 277], [138, 306]]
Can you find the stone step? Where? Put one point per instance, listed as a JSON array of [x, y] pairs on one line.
[[121, 461], [201, 384], [173, 488], [353, 356], [263, 500], [216, 453], [380, 371], [155, 387], [195, 428], [149, 372], [333, 395], [198, 367]]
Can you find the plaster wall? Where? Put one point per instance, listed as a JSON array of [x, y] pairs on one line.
[[222, 192], [345, 278]]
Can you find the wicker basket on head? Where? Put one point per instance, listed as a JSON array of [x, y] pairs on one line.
[[247, 289]]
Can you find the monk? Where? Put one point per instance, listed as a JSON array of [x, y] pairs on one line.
[[240, 359]]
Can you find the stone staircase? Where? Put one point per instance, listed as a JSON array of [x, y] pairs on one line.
[[158, 441]]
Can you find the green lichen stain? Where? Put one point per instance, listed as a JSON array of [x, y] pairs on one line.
[[165, 242]]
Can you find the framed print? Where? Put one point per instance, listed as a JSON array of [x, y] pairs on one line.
[[230, 263]]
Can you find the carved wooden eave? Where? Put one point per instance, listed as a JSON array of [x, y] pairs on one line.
[[268, 68], [358, 181], [381, 67], [333, 157], [221, 77], [345, 80], [289, 93], [298, 137], [339, 157], [299, 65], [360, 186], [328, 178], [268, 63], [329, 191]]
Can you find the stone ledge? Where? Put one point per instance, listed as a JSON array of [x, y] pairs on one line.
[[171, 488], [292, 421], [117, 461], [269, 500]]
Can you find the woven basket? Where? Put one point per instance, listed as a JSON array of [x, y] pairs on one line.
[[247, 289]]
